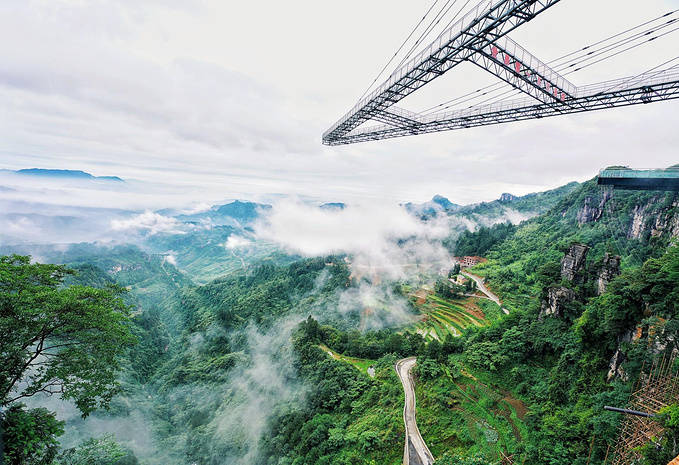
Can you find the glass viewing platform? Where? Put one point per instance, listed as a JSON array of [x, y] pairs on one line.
[[640, 179]]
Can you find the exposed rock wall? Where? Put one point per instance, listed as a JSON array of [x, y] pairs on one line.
[[573, 263], [666, 223], [557, 298], [638, 222], [610, 268], [592, 212], [647, 218]]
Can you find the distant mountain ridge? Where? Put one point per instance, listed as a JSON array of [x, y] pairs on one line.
[[70, 174], [242, 212], [437, 204], [333, 206]]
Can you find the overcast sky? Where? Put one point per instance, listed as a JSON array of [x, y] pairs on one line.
[[229, 99]]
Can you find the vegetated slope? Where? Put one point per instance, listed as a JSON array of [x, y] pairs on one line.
[[554, 351], [204, 256], [212, 361], [635, 225], [233, 366], [507, 207], [496, 219], [534, 204], [224, 374]]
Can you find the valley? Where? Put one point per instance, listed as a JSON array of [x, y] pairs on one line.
[[257, 355], [477, 263]]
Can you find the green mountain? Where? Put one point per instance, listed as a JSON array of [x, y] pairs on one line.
[[273, 361], [234, 213], [530, 204]]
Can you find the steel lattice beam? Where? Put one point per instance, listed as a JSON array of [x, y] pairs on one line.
[[485, 23], [659, 86], [397, 117], [515, 65], [480, 37]]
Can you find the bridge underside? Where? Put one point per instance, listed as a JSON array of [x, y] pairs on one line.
[[480, 37], [518, 110], [647, 180]]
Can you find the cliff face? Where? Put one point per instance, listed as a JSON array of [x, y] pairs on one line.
[[591, 211], [666, 221], [654, 218], [557, 299], [644, 214], [573, 263], [615, 369], [610, 268]]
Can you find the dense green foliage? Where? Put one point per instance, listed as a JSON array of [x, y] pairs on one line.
[[479, 242], [665, 448], [97, 451], [64, 340], [273, 365], [349, 419], [30, 436], [558, 365]]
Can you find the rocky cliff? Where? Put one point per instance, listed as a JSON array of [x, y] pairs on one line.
[[591, 210], [609, 269], [615, 368], [557, 299], [573, 263], [655, 218]]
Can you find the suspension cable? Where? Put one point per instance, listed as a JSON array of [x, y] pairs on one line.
[[575, 61], [614, 36], [437, 19], [623, 50], [400, 48]]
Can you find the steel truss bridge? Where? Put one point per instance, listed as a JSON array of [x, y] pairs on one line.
[[480, 37]]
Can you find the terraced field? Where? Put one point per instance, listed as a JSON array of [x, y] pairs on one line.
[[446, 317], [361, 363], [472, 415]]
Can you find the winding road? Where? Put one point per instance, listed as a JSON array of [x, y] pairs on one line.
[[415, 451], [482, 287]]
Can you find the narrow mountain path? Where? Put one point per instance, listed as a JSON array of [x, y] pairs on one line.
[[415, 451], [482, 287]]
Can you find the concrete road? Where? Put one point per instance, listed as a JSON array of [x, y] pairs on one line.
[[416, 451], [482, 287]]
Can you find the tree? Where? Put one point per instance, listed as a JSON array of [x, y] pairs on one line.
[[30, 436], [454, 271], [58, 339], [98, 451], [427, 368]]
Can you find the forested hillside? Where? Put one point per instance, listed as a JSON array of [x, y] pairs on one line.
[[293, 363], [571, 311]]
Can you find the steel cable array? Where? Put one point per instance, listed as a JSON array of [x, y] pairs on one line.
[[582, 59]]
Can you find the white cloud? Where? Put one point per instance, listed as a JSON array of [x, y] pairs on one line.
[[235, 242], [148, 222], [179, 92], [381, 238]]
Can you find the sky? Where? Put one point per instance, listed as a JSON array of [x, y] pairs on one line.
[[222, 99]]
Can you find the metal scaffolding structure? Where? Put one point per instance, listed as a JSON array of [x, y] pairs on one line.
[[657, 389], [480, 38]]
